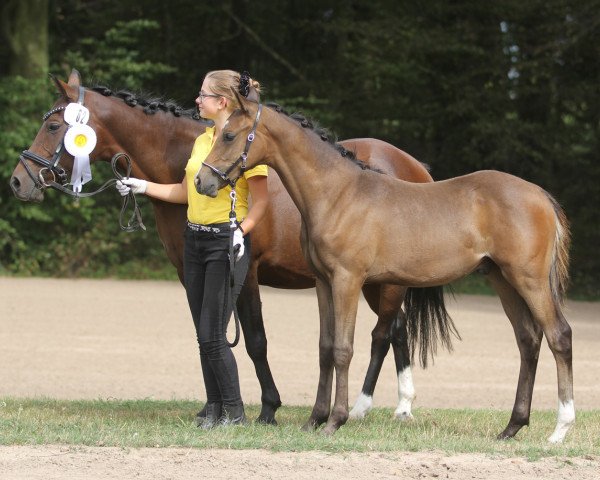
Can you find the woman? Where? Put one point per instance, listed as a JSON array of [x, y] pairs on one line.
[[206, 249]]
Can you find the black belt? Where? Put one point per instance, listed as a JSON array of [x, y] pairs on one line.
[[212, 228]]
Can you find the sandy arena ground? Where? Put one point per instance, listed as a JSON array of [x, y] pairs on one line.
[[135, 339]]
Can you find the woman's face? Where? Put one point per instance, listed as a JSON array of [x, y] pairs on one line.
[[209, 104]]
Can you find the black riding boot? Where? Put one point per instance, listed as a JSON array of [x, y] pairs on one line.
[[233, 415], [213, 413]]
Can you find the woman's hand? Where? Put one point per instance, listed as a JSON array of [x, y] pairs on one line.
[[135, 185], [238, 243]]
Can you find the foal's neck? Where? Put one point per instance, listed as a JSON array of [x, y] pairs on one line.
[[309, 167]]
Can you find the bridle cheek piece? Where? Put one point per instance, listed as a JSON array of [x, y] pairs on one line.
[[241, 159], [49, 166]]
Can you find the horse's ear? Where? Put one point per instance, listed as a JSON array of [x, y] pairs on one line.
[[75, 78], [241, 100], [60, 86]]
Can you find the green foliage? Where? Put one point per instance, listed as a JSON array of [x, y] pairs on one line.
[[151, 423], [116, 59], [62, 237]]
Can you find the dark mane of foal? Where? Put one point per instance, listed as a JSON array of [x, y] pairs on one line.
[[324, 134], [150, 104]]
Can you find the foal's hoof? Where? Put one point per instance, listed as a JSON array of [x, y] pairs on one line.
[[329, 430], [309, 426], [509, 432]]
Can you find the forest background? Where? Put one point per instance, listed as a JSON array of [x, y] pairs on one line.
[[461, 85]]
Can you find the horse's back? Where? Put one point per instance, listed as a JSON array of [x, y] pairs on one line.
[[276, 240], [389, 159]]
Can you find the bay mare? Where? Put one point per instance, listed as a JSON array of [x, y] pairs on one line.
[[359, 226], [158, 137]]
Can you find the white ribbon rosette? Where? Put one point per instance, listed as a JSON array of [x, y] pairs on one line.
[[80, 141]]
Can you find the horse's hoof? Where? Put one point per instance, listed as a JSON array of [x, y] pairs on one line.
[[404, 416], [510, 431], [266, 420], [363, 405], [309, 426], [329, 430]]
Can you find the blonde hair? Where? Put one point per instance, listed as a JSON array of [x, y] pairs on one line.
[[224, 80]]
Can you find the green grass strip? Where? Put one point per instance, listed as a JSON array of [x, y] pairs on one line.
[[152, 423]]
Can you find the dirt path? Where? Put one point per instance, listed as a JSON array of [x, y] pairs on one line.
[[134, 339]]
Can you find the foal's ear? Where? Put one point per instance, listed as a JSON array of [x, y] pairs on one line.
[[241, 100]]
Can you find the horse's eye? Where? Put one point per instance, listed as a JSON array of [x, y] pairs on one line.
[[53, 127], [228, 136]]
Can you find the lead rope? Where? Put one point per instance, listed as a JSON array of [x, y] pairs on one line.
[[232, 259], [134, 222]]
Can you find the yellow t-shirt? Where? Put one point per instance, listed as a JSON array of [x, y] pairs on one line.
[[206, 210]]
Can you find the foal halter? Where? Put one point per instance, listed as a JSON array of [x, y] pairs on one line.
[[52, 165], [243, 156]]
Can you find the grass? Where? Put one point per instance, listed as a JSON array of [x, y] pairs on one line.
[[151, 423]]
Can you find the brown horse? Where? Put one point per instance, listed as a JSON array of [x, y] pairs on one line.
[[359, 226], [159, 138]]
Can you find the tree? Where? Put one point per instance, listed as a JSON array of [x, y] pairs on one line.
[[25, 27]]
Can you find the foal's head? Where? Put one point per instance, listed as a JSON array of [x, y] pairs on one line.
[[241, 145]]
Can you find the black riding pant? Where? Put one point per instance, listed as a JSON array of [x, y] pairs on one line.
[[206, 278]]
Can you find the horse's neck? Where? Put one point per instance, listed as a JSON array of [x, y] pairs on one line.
[[309, 167], [158, 144]]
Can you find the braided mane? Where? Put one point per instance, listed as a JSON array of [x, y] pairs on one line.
[[150, 104], [324, 134]]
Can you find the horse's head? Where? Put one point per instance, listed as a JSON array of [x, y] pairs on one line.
[[231, 154], [46, 160]]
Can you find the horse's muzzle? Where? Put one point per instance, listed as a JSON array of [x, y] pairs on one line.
[[206, 187], [25, 191]]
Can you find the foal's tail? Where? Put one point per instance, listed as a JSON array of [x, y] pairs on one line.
[[559, 268], [428, 322]]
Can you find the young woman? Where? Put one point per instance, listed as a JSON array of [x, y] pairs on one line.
[[206, 250]]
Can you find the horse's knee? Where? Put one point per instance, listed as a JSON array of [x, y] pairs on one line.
[[560, 341], [256, 346], [343, 355]]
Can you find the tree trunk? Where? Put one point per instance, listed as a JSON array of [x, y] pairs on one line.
[[25, 27]]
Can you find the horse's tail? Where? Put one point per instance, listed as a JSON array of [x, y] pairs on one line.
[[559, 268], [428, 322]]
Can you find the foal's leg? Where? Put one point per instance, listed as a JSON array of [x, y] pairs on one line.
[[528, 335], [386, 302], [345, 290], [559, 337], [322, 407], [251, 320]]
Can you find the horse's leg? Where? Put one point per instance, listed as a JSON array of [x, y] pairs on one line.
[[322, 407], [251, 320], [558, 334], [345, 291], [547, 315], [386, 302], [529, 336]]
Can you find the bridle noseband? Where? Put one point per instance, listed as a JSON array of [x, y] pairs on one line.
[[52, 165], [243, 156]]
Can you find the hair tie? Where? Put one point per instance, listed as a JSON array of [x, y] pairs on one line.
[[244, 84]]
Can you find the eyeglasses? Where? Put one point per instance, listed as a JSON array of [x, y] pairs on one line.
[[202, 96]]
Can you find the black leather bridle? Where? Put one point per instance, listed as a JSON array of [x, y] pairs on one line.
[[243, 156], [59, 173], [52, 165]]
